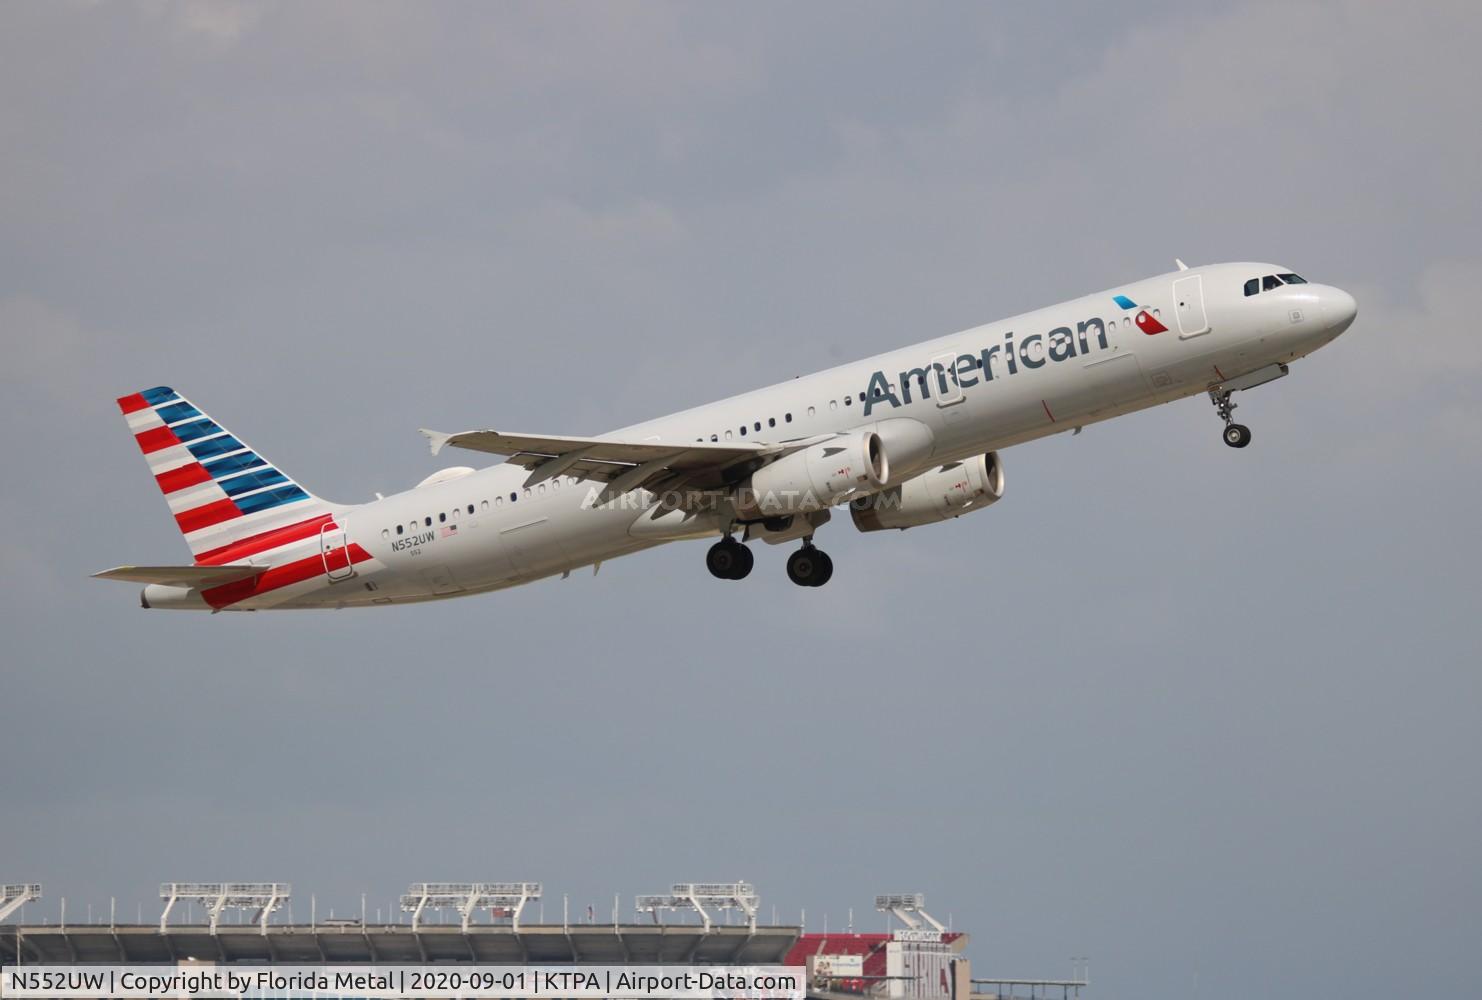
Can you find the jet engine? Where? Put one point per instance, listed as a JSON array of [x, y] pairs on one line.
[[816, 477], [938, 495]]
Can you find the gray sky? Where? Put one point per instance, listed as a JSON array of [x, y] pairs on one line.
[[1202, 715]]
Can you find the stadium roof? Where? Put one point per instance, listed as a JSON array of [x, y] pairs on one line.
[[349, 942]]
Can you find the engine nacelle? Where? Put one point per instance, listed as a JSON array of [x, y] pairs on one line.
[[938, 495], [816, 477], [908, 442]]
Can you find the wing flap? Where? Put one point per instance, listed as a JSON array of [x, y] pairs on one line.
[[624, 465], [689, 454], [197, 577]]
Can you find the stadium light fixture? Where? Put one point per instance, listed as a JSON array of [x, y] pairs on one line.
[[502, 898], [264, 897], [697, 895], [13, 897], [909, 908]]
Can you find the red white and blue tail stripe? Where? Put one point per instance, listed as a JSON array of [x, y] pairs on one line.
[[221, 492]]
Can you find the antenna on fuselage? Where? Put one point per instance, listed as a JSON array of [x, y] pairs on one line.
[[1181, 265]]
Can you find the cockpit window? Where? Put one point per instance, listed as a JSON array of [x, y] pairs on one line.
[[1269, 282], [1293, 279], [1252, 286]]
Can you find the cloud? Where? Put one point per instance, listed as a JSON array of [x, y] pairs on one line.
[[215, 25], [332, 224], [44, 346]]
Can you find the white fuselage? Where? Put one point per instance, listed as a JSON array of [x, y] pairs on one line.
[[994, 386]]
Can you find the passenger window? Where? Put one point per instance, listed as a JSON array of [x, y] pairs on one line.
[[729, 435], [429, 521], [542, 488], [833, 404], [714, 437], [385, 534], [1269, 282], [787, 418], [1293, 279], [848, 400], [757, 426], [1252, 286], [486, 506], [812, 411], [743, 431], [513, 497], [398, 529], [771, 421], [442, 519]]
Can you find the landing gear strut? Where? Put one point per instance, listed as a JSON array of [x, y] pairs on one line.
[[1236, 435], [809, 566], [728, 559]]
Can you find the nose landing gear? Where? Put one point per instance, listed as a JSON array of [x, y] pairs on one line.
[[1236, 435]]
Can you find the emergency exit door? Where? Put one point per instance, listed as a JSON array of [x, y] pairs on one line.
[[334, 549], [1188, 299]]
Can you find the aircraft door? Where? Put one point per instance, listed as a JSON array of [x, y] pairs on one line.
[[334, 550], [944, 374], [1188, 296]]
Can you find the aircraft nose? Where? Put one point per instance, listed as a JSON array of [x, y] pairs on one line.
[[1339, 308]]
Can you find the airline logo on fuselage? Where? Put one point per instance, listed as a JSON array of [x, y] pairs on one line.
[[1146, 321], [996, 360]]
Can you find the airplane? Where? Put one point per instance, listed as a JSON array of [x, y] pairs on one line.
[[904, 439]]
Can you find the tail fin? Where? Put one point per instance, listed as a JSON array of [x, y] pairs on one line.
[[221, 492]]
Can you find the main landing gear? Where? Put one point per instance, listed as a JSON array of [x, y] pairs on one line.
[[728, 559], [1236, 435], [809, 566]]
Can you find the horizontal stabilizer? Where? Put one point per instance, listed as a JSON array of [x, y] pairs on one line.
[[196, 577]]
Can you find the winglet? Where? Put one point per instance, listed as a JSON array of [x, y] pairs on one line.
[[436, 439]]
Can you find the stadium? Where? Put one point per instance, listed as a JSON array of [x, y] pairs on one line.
[[501, 923]]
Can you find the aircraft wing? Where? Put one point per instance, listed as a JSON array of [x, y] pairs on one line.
[[626, 465], [197, 577]]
